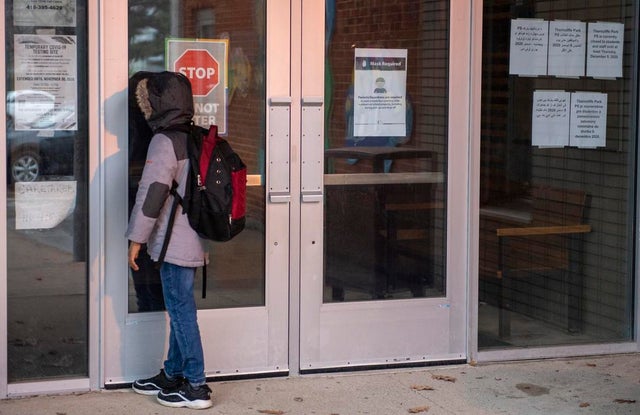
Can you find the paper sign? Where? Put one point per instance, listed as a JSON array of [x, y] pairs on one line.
[[44, 205], [604, 53], [45, 68], [588, 119], [550, 118], [528, 49], [380, 91], [44, 13], [567, 46]]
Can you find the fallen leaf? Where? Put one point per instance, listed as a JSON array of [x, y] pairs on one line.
[[584, 404], [418, 409], [421, 388], [444, 377], [624, 400], [532, 390], [271, 411]]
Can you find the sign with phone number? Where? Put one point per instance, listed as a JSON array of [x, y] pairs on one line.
[[57, 13]]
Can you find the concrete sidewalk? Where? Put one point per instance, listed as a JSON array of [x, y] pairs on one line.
[[597, 385]]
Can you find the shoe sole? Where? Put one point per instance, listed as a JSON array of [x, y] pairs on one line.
[[145, 392], [199, 404]]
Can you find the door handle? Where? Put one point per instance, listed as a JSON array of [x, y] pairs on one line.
[[312, 149], [278, 146]]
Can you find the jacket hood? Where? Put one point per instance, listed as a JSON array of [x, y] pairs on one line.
[[165, 99]]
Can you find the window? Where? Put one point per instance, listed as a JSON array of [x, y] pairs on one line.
[[558, 162], [47, 204], [237, 268]]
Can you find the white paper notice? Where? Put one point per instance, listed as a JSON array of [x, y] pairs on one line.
[[43, 205], [604, 52], [380, 92], [529, 44], [588, 119], [44, 13], [550, 118], [567, 47], [46, 65]]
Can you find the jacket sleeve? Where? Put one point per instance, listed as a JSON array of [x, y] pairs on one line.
[[153, 190]]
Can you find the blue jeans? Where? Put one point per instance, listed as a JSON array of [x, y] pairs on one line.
[[185, 356]]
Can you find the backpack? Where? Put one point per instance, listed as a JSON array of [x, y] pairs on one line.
[[216, 188], [216, 192]]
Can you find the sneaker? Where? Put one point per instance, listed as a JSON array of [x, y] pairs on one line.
[[151, 386], [186, 396]]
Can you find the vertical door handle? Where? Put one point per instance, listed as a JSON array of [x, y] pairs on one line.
[[279, 145], [312, 149]]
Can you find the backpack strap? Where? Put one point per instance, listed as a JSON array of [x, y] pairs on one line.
[[167, 237], [204, 280], [172, 218], [195, 142]]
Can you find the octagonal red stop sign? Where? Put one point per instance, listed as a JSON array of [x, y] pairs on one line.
[[201, 68]]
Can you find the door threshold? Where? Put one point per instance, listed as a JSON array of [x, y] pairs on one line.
[[384, 366], [213, 379]]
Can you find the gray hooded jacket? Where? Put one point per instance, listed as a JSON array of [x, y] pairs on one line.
[[166, 101]]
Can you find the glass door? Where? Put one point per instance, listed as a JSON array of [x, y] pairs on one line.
[[383, 234], [243, 307]]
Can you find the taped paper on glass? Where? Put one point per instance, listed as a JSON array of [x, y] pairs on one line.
[[44, 205], [550, 118], [380, 92]]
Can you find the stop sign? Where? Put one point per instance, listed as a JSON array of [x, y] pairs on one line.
[[201, 68]]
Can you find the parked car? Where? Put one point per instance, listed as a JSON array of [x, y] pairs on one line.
[[40, 138], [33, 154]]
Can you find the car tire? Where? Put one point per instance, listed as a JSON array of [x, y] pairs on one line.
[[25, 166]]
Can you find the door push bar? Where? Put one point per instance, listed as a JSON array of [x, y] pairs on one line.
[[312, 148], [279, 145]]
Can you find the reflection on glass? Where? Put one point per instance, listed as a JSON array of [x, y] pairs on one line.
[[386, 140], [555, 241], [235, 275], [47, 315]]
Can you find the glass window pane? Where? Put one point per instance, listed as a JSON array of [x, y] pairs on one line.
[[235, 276], [557, 173], [47, 230], [386, 80]]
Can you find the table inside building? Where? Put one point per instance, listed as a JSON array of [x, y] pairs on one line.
[[373, 217]]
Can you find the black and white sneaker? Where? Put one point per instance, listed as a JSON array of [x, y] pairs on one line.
[[151, 386], [186, 395]]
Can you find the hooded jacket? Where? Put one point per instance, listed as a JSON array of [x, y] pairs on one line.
[[166, 101]]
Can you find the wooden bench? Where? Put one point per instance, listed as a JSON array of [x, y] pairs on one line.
[[550, 240]]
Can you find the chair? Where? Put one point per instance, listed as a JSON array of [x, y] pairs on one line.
[[550, 241]]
